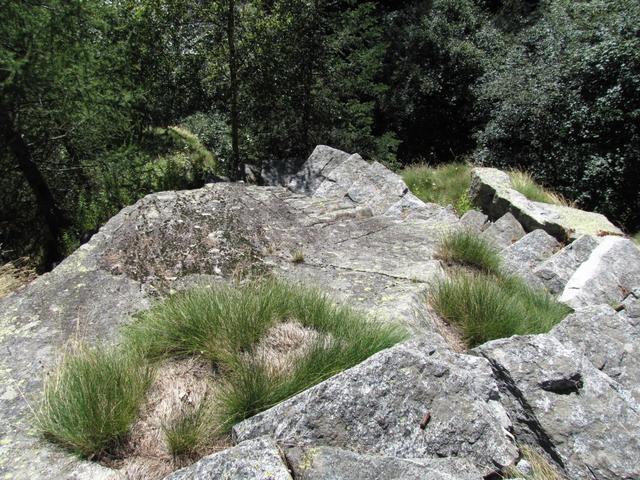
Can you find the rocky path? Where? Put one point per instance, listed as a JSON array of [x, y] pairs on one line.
[[418, 410]]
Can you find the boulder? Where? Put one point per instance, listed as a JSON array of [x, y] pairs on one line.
[[609, 339], [373, 250], [607, 276], [331, 463], [504, 232], [322, 160], [491, 189], [522, 257], [584, 420], [257, 459], [380, 407], [474, 221], [556, 271]]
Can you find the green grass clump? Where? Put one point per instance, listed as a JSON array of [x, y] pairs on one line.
[[297, 256], [225, 325], [526, 185], [636, 238], [186, 434], [468, 249], [486, 307], [445, 184], [92, 398]]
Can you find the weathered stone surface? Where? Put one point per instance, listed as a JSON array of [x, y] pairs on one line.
[[257, 459], [474, 221], [504, 232], [556, 271], [522, 257], [330, 463], [492, 190], [321, 162], [76, 300], [170, 240], [377, 407], [607, 276], [609, 339], [586, 422]]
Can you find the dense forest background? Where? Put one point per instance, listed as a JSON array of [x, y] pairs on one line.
[[104, 101]]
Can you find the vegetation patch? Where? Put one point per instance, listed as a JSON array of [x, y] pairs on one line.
[[486, 307], [487, 304], [14, 275], [444, 184], [468, 249], [261, 342], [541, 468], [92, 398], [526, 185]]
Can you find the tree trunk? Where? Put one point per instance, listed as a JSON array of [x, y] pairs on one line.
[[237, 167], [54, 219]]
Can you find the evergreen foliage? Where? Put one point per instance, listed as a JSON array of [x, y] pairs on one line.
[[87, 87]]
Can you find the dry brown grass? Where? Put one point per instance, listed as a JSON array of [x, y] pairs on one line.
[[14, 275], [283, 344], [541, 468], [181, 386]]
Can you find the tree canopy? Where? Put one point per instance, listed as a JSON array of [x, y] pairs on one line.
[[104, 101]]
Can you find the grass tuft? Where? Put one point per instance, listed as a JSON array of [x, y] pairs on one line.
[[14, 275], [92, 398], [468, 249], [526, 185], [186, 434], [297, 256], [541, 468], [445, 184], [486, 307], [226, 325]]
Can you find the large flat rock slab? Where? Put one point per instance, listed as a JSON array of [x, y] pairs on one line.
[[330, 463], [79, 301], [378, 406], [585, 421], [491, 189]]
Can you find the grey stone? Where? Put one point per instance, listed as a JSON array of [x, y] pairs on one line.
[[378, 406], [491, 189], [522, 257], [584, 420], [356, 250], [330, 463], [556, 271], [257, 459], [322, 160], [609, 339], [504, 232], [474, 221], [524, 467], [607, 276]]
